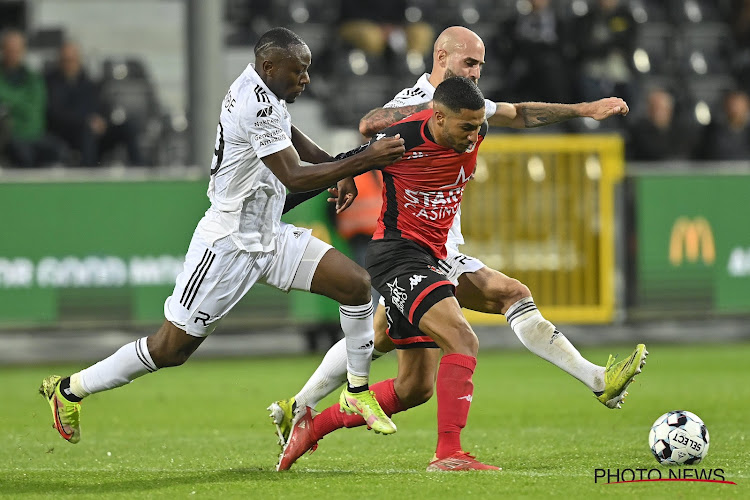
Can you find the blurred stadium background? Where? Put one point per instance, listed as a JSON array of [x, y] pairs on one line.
[[632, 228]]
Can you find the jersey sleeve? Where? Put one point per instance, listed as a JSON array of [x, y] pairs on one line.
[[408, 97], [490, 108], [262, 126]]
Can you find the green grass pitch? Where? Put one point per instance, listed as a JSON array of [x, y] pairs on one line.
[[201, 430]]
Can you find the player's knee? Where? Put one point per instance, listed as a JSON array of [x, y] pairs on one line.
[[517, 291], [463, 340], [383, 343], [506, 294], [357, 288], [171, 346]]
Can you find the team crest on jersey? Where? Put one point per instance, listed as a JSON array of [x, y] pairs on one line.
[[261, 95], [398, 295], [461, 179], [265, 112], [297, 233], [436, 270]]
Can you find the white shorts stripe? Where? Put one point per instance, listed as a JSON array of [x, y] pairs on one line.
[[216, 275]]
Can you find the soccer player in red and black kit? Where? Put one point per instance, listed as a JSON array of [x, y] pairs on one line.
[[421, 195]]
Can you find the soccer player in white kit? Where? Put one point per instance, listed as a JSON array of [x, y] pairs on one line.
[[460, 52], [241, 240]]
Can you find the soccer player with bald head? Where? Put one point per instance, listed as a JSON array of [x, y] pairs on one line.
[[460, 52]]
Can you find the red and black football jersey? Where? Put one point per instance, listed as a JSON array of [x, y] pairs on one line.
[[422, 191]]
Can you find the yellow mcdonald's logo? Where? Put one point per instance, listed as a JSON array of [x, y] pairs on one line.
[[690, 239]]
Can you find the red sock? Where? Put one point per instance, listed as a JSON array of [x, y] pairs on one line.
[[454, 393], [332, 418]]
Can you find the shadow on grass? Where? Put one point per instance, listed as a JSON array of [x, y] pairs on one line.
[[130, 481]]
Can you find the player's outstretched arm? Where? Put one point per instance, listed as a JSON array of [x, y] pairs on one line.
[[285, 165], [380, 118], [539, 114], [307, 149]]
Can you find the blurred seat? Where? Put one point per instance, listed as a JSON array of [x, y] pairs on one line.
[[654, 51], [696, 11], [470, 12], [354, 96], [704, 96], [705, 49], [313, 11], [317, 36], [650, 11], [128, 94]]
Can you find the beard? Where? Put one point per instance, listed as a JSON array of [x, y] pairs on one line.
[[451, 74]]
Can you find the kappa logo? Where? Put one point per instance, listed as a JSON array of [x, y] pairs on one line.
[[468, 397], [265, 112], [415, 155], [415, 280]]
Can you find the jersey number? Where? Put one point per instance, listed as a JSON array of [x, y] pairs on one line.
[[218, 150]]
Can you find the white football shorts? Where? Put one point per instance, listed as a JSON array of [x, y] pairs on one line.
[[456, 263], [215, 277]]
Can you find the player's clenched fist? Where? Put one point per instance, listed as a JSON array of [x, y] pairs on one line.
[[385, 150], [604, 108]]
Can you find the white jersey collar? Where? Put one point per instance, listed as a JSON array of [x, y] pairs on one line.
[[424, 84]]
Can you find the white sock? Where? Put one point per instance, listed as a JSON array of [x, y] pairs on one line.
[[329, 376], [543, 339], [357, 324], [127, 364]]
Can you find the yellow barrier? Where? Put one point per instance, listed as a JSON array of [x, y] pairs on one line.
[[541, 210]]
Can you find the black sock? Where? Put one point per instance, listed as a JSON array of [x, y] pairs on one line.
[[354, 390], [66, 392]]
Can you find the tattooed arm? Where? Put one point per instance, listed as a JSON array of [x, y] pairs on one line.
[[380, 118], [538, 114]]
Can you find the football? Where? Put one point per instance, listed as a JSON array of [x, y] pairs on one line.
[[678, 437]]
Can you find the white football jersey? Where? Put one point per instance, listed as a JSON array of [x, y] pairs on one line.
[[422, 92], [247, 199]]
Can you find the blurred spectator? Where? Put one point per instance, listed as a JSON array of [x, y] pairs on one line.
[[605, 43], [375, 26], [357, 223], [659, 135], [729, 137], [740, 24], [75, 112], [535, 52], [22, 96]]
